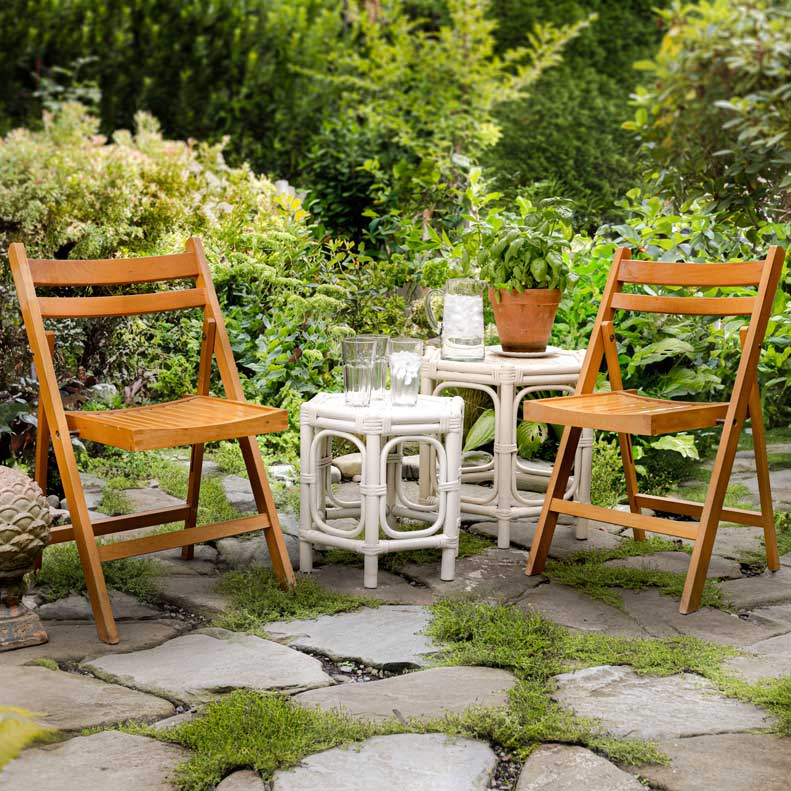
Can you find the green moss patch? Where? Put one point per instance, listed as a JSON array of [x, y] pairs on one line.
[[61, 574], [260, 730], [586, 571], [258, 599]]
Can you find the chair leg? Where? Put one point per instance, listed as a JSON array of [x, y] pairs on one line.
[[711, 515], [42, 462], [86, 543], [281, 564], [627, 457], [539, 549], [764, 485], [193, 496]]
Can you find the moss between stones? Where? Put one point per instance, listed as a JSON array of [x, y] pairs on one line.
[[267, 731], [61, 574], [257, 599], [585, 570]]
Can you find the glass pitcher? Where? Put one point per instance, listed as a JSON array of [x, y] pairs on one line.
[[462, 319]]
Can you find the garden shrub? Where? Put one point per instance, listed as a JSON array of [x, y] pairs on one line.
[[567, 131], [288, 295], [681, 356], [713, 115]]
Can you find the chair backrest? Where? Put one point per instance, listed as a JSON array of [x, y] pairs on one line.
[[764, 276], [189, 265]]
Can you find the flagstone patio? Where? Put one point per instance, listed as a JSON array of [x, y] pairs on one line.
[[169, 663]]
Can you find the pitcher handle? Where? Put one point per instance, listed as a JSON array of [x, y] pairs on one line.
[[435, 325]]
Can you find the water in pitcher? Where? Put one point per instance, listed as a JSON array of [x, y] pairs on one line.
[[462, 327]]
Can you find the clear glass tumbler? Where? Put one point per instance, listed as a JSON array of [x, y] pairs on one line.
[[379, 370], [405, 357], [358, 361]]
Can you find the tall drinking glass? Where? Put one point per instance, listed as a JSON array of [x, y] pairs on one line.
[[379, 370], [405, 357], [358, 360]]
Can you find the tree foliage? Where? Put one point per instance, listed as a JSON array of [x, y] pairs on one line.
[[715, 118], [567, 132]]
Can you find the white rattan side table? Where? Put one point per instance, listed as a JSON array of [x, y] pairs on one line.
[[507, 380], [379, 432]]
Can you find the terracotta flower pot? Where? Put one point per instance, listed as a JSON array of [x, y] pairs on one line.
[[524, 319]]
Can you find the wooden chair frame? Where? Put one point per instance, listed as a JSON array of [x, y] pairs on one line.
[[668, 417], [54, 422]]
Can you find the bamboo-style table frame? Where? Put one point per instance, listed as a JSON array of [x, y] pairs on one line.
[[379, 431], [507, 381]]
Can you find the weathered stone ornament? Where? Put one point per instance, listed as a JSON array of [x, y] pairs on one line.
[[24, 531]]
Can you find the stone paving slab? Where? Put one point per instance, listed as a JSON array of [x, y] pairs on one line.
[[658, 616], [200, 666], [242, 553], [245, 780], [194, 593], [70, 702], [424, 694], [678, 562], [78, 608], [496, 575], [203, 562], [776, 617], [557, 767], [71, 641], [151, 498], [648, 707], [390, 636], [391, 588], [751, 592], [766, 659], [728, 762], [563, 541], [418, 762], [780, 483], [575, 610], [102, 761]]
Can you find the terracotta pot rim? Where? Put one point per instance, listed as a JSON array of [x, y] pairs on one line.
[[512, 292]]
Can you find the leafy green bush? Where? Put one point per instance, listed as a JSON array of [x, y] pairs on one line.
[[288, 296], [680, 356], [567, 132], [713, 118]]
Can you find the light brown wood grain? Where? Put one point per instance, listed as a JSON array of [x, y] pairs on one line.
[[629, 413], [192, 421], [122, 305], [113, 271], [688, 306], [698, 275]]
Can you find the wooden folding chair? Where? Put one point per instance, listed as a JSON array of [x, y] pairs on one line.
[[193, 420], [627, 413]]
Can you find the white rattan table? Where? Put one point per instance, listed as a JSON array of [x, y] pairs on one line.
[[379, 431], [507, 381]]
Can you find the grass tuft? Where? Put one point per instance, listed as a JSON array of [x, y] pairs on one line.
[[585, 571], [264, 731], [258, 599], [61, 574], [43, 661]]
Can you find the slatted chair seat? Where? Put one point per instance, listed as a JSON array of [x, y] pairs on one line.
[[191, 420], [194, 420], [625, 412]]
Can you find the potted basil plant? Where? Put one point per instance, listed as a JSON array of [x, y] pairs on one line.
[[523, 257]]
